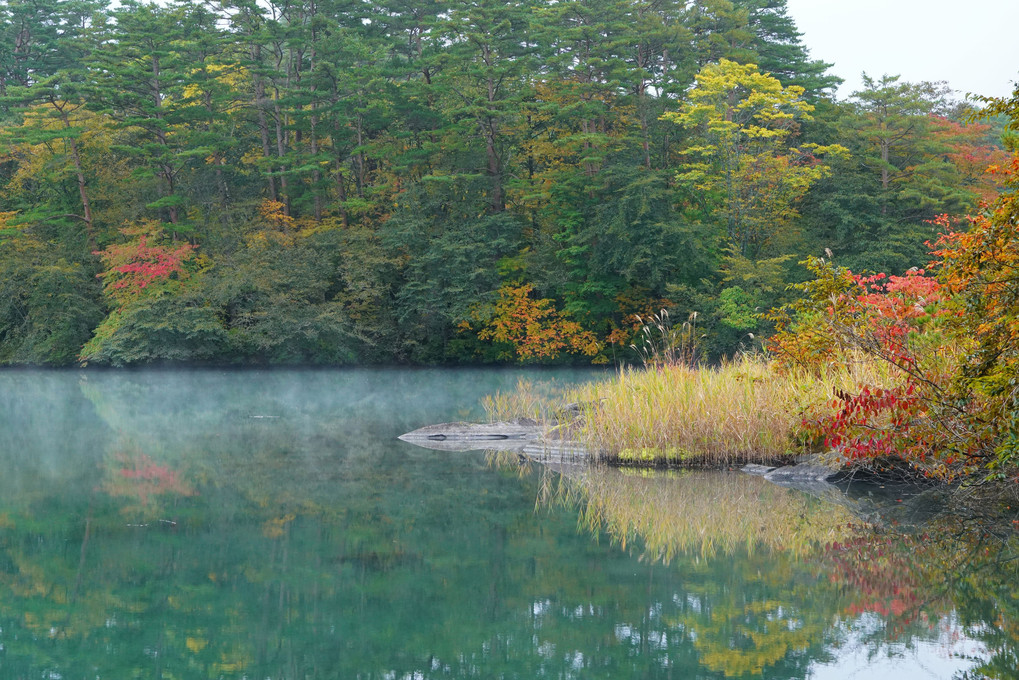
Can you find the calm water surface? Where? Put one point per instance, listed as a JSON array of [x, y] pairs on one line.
[[214, 524]]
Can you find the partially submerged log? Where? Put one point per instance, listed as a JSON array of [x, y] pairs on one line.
[[525, 437], [506, 436]]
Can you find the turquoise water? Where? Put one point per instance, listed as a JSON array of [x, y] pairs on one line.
[[218, 524]]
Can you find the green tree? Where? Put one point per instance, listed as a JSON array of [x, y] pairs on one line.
[[142, 75], [912, 159], [779, 51], [895, 123], [37, 39], [484, 79], [50, 301], [758, 32], [450, 247]]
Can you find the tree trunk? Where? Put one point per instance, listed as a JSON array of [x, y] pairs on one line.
[[86, 205], [263, 121], [491, 132]]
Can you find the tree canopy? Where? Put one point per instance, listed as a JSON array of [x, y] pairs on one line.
[[328, 181]]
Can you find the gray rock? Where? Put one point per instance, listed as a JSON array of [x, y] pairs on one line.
[[804, 472], [812, 475], [755, 469]]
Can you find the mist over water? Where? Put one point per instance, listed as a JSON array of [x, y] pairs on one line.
[[53, 421], [268, 524]]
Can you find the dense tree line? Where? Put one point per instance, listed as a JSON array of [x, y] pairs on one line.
[[329, 181]]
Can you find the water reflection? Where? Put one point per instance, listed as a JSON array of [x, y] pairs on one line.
[[706, 513], [776, 570], [269, 525]]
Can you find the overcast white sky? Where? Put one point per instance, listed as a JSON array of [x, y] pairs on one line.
[[973, 44]]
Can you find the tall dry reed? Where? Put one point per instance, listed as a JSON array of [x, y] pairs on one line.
[[742, 411], [535, 400], [660, 343]]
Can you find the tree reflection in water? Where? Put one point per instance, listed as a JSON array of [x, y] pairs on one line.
[[838, 565], [150, 527]]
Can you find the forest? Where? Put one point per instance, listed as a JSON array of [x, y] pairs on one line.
[[439, 182]]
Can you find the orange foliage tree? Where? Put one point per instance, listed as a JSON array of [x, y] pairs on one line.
[[635, 307], [532, 327], [908, 409], [969, 150], [980, 267]]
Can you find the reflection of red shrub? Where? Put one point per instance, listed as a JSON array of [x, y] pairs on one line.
[[141, 477], [881, 575]]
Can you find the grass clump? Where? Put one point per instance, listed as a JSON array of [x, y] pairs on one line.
[[743, 411], [674, 412], [739, 412]]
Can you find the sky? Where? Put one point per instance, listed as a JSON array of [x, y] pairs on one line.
[[972, 44]]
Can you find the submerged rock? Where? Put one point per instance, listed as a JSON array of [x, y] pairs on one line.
[[556, 446], [865, 496], [791, 475], [755, 469], [552, 452], [811, 473]]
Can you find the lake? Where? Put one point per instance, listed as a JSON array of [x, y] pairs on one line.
[[269, 525]]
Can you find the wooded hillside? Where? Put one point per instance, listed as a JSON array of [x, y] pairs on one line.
[[333, 181]]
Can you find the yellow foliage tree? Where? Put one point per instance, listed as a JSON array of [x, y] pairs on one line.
[[740, 158]]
